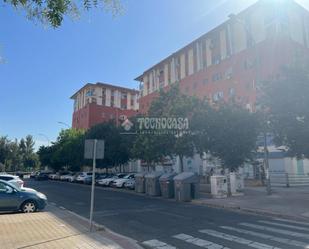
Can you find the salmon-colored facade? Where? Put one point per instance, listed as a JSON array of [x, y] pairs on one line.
[[100, 102], [232, 59]]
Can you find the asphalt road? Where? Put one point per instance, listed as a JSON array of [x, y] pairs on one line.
[[169, 224]]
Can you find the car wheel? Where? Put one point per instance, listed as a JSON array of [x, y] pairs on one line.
[[110, 184], [28, 207]]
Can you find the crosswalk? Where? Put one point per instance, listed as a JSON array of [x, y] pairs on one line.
[[260, 234]]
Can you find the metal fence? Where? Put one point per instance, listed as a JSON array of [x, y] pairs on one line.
[[288, 180]]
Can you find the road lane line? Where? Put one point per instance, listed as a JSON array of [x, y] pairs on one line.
[[157, 244], [198, 242], [237, 239], [293, 222], [276, 230], [267, 236], [284, 225]]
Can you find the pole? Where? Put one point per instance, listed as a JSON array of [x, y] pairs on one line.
[[266, 161], [92, 184]]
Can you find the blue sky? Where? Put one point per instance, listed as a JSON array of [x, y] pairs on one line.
[[45, 66]]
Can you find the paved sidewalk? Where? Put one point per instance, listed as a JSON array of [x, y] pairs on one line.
[[290, 202], [56, 229]]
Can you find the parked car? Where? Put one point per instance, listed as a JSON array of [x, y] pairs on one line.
[[34, 173], [130, 184], [15, 180], [88, 179], [65, 177], [26, 200], [81, 177], [119, 183], [103, 176], [108, 181], [72, 177], [52, 176], [41, 177]]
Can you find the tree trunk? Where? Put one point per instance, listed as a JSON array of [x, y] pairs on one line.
[[181, 164], [228, 179]]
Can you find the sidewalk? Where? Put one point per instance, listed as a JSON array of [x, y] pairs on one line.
[[56, 229], [290, 202]]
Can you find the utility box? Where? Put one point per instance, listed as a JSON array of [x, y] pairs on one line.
[[218, 184], [186, 186], [167, 185], [152, 185], [237, 184], [140, 182]]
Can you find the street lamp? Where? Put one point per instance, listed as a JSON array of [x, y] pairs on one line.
[[65, 124], [235, 18], [46, 137]]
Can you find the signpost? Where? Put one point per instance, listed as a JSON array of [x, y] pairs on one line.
[[94, 149]]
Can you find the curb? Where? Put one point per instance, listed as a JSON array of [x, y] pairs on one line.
[[98, 227], [251, 211]]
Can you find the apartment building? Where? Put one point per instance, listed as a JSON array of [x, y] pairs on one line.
[[232, 59], [101, 102]]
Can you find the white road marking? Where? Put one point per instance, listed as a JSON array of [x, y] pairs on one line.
[[284, 225], [157, 244], [276, 230], [198, 242], [237, 239], [293, 222], [269, 237]]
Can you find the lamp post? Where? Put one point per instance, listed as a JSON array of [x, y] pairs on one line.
[[45, 136], [233, 17], [65, 124]]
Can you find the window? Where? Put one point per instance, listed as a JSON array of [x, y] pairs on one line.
[[6, 178], [90, 93], [229, 73], [217, 96], [249, 63], [2, 187], [206, 81], [231, 92], [123, 95], [216, 77]]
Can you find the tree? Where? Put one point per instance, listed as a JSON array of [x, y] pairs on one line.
[[173, 104], [52, 12], [117, 149], [286, 102], [68, 150], [4, 149], [232, 135]]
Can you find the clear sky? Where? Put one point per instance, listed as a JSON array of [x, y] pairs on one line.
[[45, 66]]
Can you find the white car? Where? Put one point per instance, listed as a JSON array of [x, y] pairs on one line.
[[120, 182], [72, 177], [130, 184], [108, 181], [66, 177], [15, 180], [82, 176]]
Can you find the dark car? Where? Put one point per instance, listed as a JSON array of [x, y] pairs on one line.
[[88, 179], [24, 199], [41, 177]]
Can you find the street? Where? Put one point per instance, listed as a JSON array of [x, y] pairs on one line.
[[160, 223]]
